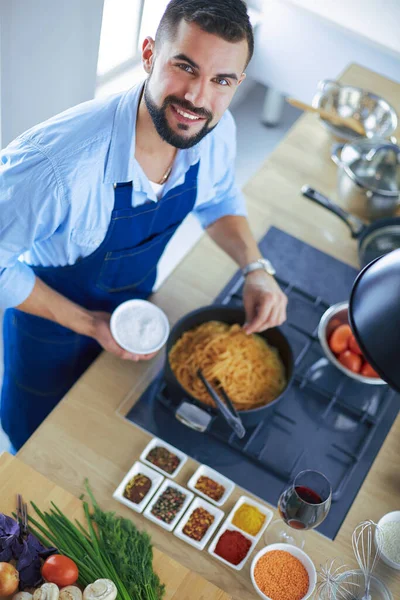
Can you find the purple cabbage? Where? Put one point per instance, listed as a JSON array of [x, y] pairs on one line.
[[28, 552]]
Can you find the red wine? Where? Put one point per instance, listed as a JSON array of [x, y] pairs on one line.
[[302, 508], [308, 495]]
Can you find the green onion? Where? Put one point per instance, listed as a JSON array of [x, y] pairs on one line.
[[107, 547]]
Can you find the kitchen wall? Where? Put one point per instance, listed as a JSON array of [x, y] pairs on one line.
[[48, 59], [299, 42]]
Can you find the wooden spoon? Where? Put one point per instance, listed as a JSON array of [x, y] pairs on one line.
[[349, 122]]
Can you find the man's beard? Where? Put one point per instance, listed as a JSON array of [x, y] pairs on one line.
[[159, 119]]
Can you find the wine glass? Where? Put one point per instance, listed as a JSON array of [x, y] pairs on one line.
[[303, 505]]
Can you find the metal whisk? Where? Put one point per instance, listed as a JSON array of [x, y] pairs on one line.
[[365, 553], [337, 583]]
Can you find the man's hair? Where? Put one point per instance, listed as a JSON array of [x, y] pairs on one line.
[[226, 18]]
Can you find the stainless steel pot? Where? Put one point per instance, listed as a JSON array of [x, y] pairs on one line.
[[368, 177]]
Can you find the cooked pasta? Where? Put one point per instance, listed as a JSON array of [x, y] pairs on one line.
[[246, 366]]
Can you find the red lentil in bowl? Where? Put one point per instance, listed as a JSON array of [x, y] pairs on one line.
[[283, 572]]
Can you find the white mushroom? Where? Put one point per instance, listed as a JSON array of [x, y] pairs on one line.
[[102, 589], [48, 591], [70, 592], [22, 596]]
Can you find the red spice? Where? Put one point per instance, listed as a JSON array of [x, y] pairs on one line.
[[232, 546], [210, 488]]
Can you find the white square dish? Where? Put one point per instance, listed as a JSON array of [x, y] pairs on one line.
[[156, 481], [199, 503], [188, 498], [228, 526], [204, 470], [263, 509], [159, 442]]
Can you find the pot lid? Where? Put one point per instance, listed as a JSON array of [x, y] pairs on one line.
[[374, 314], [373, 164]]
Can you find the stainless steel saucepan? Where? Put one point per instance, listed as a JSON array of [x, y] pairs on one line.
[[368, 177]]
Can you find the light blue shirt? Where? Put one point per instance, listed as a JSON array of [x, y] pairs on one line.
[[57, 193]]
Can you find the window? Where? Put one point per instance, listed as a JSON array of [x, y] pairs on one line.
[[125, 25]]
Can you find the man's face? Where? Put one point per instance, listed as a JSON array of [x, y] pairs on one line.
[[192, 80]]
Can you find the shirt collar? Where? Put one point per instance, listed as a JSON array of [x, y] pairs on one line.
[[121, 156], [121, 163]]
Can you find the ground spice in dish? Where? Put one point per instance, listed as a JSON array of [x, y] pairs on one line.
[[391, 540], [281, 576], [198, 523], [168, 504], [210, 488], [137, 488], [249, 519], [232, 546], [163, 459]]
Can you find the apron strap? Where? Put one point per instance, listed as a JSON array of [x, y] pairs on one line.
[[122, 195]]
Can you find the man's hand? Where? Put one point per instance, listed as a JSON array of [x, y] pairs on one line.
[[102, 334], [264, 302]]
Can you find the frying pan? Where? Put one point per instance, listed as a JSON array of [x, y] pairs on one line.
[[191, 415], [374, 240]]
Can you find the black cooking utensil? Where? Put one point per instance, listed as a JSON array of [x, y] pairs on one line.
[[375, 240], [374, 315], [228, 411]]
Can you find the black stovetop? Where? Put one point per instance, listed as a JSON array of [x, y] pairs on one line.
[[325, 421]]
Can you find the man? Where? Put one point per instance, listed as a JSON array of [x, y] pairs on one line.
[[91, 198]]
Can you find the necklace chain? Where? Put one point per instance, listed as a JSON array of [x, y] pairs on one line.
[[167, 172], [166, 175]]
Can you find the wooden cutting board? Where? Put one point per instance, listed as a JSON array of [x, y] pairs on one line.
[[16, 477]]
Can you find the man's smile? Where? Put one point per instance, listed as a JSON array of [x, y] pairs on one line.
[[185, 116]]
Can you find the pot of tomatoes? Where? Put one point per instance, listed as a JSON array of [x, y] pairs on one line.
[[341, 347]]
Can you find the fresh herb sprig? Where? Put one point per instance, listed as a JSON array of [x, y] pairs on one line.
[[127, 548]]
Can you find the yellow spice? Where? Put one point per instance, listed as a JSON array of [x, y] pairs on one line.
[[249, 519]]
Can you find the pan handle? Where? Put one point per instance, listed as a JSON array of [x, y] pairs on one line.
[[355, 224]]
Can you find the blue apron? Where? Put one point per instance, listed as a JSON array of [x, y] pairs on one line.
[[42, 359]]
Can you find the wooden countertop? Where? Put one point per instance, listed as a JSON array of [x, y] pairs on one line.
[[18, 478], [85, 437]]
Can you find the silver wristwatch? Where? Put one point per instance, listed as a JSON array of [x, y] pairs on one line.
[[261, 263]]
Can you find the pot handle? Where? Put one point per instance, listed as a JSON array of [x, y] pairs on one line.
[[193, 416], [336, 154], [326, 83], [355, 224]]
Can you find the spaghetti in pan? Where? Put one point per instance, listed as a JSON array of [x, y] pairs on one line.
[[248, 368]]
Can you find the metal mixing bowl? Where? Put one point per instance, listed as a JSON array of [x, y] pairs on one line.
[[375, 114], [333, 317]]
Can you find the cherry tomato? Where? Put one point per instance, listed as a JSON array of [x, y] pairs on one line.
[[353, 346], [368, 371], [60, 570], [339, 339], [350, 360]]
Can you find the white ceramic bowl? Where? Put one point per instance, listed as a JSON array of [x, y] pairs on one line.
[[261, 507], [297, 553], [158, 442], [156, 481], [392, 516], [215, 476], [127, 310], [213, 510], [227, 526], [188, 498]]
